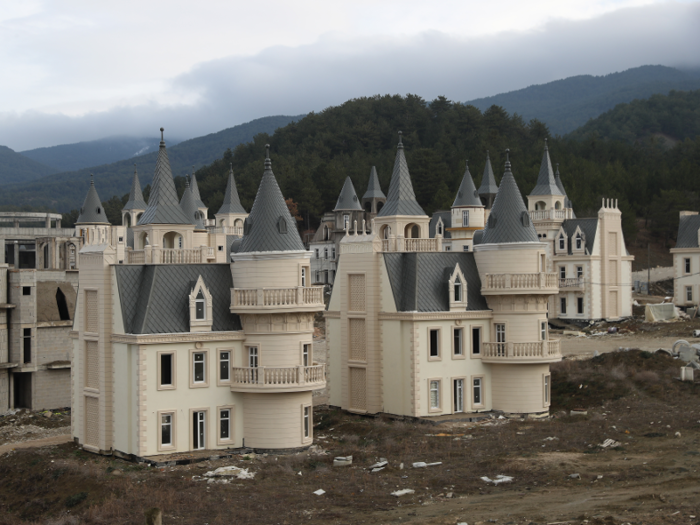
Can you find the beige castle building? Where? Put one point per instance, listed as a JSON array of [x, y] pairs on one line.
[[198, 338], [686, 261]]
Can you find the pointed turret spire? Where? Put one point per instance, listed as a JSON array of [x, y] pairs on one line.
[[232, 203], [546, 184], [557, 179], [374, 189], [467, 194], [347, 200], [189, 208], [509, 220], [163, 206], [195, 190], [270, 227], [135, 201], [401, 199], [92, 211], [488, 188]]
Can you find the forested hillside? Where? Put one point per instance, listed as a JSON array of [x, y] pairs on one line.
[[14, 167], [566, 104]]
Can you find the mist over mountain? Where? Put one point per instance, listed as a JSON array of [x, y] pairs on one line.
[[15, 167]]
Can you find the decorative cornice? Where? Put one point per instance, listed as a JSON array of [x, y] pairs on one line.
[[185, 337], [433, 316]]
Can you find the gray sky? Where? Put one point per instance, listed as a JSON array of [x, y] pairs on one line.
[[81, 70]]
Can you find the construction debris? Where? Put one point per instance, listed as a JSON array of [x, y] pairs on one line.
[[319, 492], [403, 492], [342, 461], [609, 443], [498, 479], [240, 473], [423, 464]]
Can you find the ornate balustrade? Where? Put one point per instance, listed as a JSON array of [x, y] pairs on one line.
[[545, 215], [573, 282], [271, 299], [510, 352], [157, 255], [278, 379], [228, 230], [519, 283], [395, 244]]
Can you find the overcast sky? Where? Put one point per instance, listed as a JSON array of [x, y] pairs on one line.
[[77, 70]]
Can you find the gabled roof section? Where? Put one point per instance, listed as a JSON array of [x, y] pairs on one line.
[[589, 228], [155, 298], [347, 200], [374, 189], [163, 206], [262, 232], [488, 181], [190, 209], [195, 191], [467, 194], [546, 184], [401, 199], [509, 220], [419, 281], [232, 203], [92, 211], [688, 226], [446, 217], [136, 201]]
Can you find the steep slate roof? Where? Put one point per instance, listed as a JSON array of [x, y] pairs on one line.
[[446, 217], [195, 191], [478, 237], [688, 231], [135, 201], [232, 203], [374, 189], [419, 281], [467, 194], [92, 210], [509, 220], [589, 227], [189, 208], [155, 298], [163, 206], [546, 185], [261, 229], [347, 200], [401, 199], [488, 181], [567, 201]]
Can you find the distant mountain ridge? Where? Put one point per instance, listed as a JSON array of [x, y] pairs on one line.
[[65, 191], [15, 167], [72, 157], [567, 104]]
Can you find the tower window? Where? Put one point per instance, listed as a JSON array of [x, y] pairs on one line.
[[200, 314]]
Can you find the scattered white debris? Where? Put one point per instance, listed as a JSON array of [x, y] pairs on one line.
[[609, 443], [678, 434], [342, 461], [403, 492], [237, 472], [550, 439], [299, 473], [319, 492], [381, 464], [423, 464], [575, 476], [498, 479], [377, 469]]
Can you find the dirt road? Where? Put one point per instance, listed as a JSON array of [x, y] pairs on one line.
[[587, 346], [34, 443]]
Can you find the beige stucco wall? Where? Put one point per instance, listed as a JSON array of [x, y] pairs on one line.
[[508, 258], [518, 388], [269, 269], [682, 279], [275, 420]]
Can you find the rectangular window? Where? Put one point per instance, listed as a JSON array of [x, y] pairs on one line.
[[458, 387], [307, 422], [317, 274], [562, 243], [562, 272], [477, 396], [27, 344], [448, 248], [199, 430], [325, 253], [579, 305], [121, 240], [221, 248], [434, 342], [465, 217], [333, 253], [546, 389], [476, 341], [688, 293], [166, 430], [435, 394], [224, 366], [458, 348], [579, 242], [317, 253], [458, 291], [562, 305], [198, 368], [166, 369], [306, 355], [225, 424], [465, 248], [501, 339], [26, 290], [346, 222], [303, 276], [579, 272], [253, 363], [543, 330], [687, 265]]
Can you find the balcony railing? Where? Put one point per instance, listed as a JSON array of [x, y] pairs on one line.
[[411, 245], [571, 282], [505, 283], [266, 298], [156, 255], [280, 379], [533, 351], [228, 230], [543, 215]]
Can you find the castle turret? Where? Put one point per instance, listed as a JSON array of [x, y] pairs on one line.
[[92, 224], [374, 199], [232, 214], [136, 205], [194, 188], [467, 214], [189, 207], [546, 195], [488, 188], [347, 209]]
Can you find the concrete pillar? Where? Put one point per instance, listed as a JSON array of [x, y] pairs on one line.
[[16, 254], [48, 222]]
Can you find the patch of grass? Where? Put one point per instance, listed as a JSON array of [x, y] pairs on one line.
[[75, 499]]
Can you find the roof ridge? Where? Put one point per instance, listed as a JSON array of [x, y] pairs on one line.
[[467, 194], [347, 200], [232, 203], [401, 199]]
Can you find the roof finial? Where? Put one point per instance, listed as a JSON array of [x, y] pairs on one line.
[[267, 151], [400, 139], [161, 134], [466, 164], [92, 180], [507, 159], [557, 168], [230, 165], [545, 143]]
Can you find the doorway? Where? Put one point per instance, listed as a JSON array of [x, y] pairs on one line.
[[198, 427], [458, 389], [22, 389]]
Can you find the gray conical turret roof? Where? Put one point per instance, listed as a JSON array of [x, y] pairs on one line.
[[546, 184], [488, 181], [163, 206], [92, 211], [467, 194], [567, 201], [189, 208], [270, 227], [232, 203], [401, 199], [509, 220], [374, 189], [347, 200], [136, 201], [195, 191]]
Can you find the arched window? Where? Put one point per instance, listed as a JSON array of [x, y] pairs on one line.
[[557, 205], [540, 205], [380, 205], [200, 312]]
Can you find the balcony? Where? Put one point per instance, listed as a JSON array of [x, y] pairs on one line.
[[521, 353], [552, 215], [394, 244], [275, 379], [156, 255], [519, 283], [228, 230], [274, 300], [571, 284]]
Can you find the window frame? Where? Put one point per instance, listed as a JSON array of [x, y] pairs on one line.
[[476, 353], [562, 243], [546, 390], [579, 241], [501, 351], [464, 395], [465, 218], [199, 384], [686, 265], [173, 430], [689, 294], [307, 423], [438, 382], [580, 306], [562, 273], [200, 302], [437, 357], [461, 354], [207, 423], [544, 330], [27, 347], [309, 354], [482, 392], [219, 352], [231, 419], [173, 370], [562, 305], [579, 272], [457, 291]]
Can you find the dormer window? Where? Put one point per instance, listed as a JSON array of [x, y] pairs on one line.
[[458, 290], [199, 308], [562, 243], [282, 225], [579, 241]]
